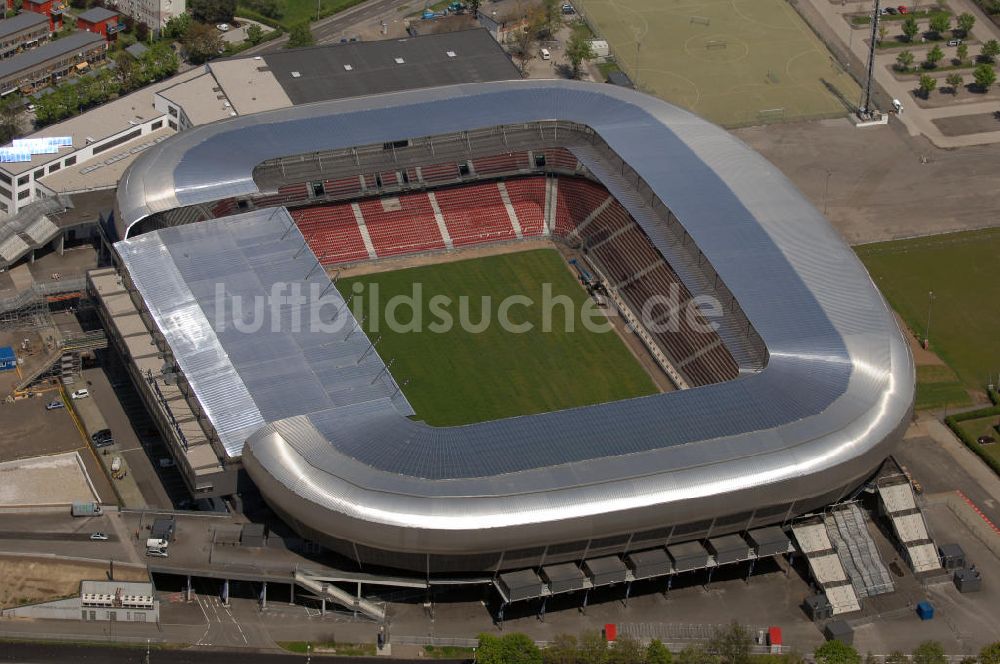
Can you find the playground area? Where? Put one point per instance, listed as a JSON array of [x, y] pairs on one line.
[[734, 62]]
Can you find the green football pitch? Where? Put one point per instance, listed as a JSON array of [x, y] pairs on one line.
[[960, 269], [735, 62], [463, 374]]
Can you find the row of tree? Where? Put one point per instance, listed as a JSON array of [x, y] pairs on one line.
[[729, 645], [937, 24], [983, 76], [987, 55], [131, 73]]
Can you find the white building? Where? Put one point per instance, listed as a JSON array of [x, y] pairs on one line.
[[154, 13]]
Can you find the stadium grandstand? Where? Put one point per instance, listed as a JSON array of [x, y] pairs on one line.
[[790, 404]]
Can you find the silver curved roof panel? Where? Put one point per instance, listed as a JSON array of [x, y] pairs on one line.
[[835, 393]]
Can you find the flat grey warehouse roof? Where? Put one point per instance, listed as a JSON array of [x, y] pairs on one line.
[[322, 72], [835, 393]]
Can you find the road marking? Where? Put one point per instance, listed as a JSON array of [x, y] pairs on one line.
[[978, 511]]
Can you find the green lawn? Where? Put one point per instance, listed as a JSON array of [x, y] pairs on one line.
[[741, 62], [961, 270], [939, 387], [297, 11], [984, 426], [460, 376]]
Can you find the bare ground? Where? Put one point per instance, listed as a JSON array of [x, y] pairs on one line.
[[879, 186], [26, 580]]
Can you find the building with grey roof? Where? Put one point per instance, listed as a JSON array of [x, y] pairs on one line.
[[39, 66], [22, 31], [96, 15], [824, 389], [362, 68]]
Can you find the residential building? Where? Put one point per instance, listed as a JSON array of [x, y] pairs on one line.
[[53, 9], [34, 69], [154, 13], [21, 32], [100, 20]]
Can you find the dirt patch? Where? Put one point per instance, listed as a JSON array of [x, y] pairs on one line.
[[34, 580], [921, 356]]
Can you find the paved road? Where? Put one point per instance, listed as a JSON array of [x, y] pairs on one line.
[[30, 653], [333, 28], [49, 537]]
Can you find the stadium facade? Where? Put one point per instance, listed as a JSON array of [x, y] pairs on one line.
[[822, 378]]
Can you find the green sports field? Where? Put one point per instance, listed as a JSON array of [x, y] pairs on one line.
[[461, 376], [735, 62], [961, 270]]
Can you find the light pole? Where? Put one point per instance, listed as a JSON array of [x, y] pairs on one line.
[[826, 191], [927, 330]]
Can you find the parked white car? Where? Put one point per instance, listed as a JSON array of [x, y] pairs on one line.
[[223, 27], [80, 394]]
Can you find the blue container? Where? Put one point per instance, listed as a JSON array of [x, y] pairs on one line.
[[8, 360], [925, 610]]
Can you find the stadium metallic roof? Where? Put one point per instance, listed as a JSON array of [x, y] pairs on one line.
[[837, 388], [192, 278]]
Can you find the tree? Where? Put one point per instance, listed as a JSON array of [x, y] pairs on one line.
[[578, 49], [934, 56], [177, 26], [929, 652], [695, 655], [990, 51], [962, 53], [212, 11], [896, 657], [882, 31], [990, 654], [8, 119], [520, 42], [255, 34], [904, 60], [473, 5], [984, 76], [626, 650], [201, 42], [927, 85], [562, 650], [954, 82], [141, 31], [732, 644], [300, 35], [657, 653], [266, 8], [910, 27], [593, 648], [512, 648], [939, 23], [836, 652], [964, 23]]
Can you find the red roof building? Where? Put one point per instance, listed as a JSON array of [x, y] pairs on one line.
[[104, 22], [52, 8]]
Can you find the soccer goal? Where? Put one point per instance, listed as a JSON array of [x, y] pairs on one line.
[[700, 20], [715, 44]]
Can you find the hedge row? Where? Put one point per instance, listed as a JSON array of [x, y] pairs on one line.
[[954, 422]]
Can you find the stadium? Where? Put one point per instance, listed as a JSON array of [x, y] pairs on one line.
[[790, 403]]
